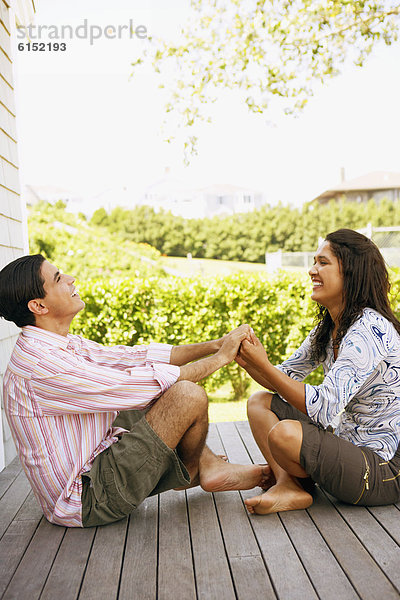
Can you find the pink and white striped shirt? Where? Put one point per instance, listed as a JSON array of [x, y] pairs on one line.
[[61, 396]]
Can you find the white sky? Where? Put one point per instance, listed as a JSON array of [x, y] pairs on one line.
[[85, 125]]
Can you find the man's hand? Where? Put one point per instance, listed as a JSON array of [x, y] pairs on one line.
[[232, 340]]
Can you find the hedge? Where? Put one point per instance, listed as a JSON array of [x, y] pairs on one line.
[[183, 311]]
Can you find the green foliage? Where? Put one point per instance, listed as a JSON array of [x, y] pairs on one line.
[[179, 311], [83, 249], [273, 52], [245, 237]]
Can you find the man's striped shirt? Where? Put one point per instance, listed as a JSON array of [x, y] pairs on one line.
[[61, 396]]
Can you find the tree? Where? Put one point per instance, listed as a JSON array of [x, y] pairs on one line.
[[266, 49]]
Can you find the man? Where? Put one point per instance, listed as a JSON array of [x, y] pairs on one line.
[[88, 463]]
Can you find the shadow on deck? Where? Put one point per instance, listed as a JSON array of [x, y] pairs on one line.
[[192, 544]]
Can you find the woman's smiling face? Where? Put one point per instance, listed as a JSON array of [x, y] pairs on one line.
[[327, 280]]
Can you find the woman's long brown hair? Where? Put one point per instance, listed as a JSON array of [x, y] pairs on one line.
[[365, 285]]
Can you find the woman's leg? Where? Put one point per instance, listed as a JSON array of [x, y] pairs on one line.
[[280, 442]]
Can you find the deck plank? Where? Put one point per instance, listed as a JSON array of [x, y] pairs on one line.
[[12, 500], [74, 550], [17, 538], [32, 571], [105, 561], [198, 545], [139, 571], [325, 573], [213, 578], [364, 574], [287, 572], [9, 474], [240, 543], [174, 549], [380, 545], [389, 518]]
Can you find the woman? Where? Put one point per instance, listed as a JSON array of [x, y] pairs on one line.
[[357, 339]]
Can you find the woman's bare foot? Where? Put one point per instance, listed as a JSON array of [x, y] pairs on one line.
[[216, 475], [279, 498]]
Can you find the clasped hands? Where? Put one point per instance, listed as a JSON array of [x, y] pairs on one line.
[[243, 346]]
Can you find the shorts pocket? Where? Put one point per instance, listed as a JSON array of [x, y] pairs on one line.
[[113, 499]]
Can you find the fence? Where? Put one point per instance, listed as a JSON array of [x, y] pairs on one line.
[[386, 238]]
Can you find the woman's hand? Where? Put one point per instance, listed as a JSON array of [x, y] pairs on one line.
[[252, 354]]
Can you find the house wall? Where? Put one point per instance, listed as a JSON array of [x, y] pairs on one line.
[[13, 236]]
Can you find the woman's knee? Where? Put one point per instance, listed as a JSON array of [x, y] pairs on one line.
[[259, 401], [286, 436]]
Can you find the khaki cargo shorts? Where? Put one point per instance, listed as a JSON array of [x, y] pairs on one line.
[[353, 474], [139, 465]]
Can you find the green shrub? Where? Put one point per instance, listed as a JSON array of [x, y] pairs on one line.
[[176, 311]]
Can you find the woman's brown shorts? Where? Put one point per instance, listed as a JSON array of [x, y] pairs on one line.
[[121, 477], [354, 474]]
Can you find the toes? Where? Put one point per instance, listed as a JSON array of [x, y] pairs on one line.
[[252, 502]]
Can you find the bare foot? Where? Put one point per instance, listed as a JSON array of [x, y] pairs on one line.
[[196, 480], [278, 498], [216, 475], [269, 478]]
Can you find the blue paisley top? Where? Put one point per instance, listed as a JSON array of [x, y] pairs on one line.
[[360, 394]]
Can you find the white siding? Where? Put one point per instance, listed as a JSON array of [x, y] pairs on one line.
[[13, 241]]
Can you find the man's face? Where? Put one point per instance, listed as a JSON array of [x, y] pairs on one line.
[[62, 298]]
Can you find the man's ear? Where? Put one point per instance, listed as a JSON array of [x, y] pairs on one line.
[[37, 308]]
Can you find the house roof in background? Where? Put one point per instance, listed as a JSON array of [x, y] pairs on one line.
[[49, 193], [377, 180]]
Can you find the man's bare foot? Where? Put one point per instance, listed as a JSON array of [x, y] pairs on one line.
[[216, 475], [279, 498], [195, 481], [269, 478]]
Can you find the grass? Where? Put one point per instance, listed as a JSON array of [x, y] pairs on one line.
[[209, 266], [227, 411], [220, 408]]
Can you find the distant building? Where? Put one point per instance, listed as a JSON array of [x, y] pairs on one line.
[[376, 186], [173, 195], [31, 194]]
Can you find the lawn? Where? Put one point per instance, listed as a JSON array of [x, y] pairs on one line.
[[220, 408], [209, 266], [227, 411]]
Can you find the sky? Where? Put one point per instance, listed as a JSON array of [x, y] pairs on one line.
[[86, 125]]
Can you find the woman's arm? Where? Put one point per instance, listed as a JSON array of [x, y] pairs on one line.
[[291, 390], [254, 373]]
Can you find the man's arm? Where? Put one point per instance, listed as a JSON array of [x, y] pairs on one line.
[[181, 355], [228, 351]]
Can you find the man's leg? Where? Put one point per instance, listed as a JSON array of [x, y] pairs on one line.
[[180, 419], [280, 442]]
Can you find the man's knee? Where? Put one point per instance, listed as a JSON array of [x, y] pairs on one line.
[[285, 436], [259, 401], [188, 394]]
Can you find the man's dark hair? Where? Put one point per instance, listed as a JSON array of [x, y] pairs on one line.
[[365, 285], [20, 282]]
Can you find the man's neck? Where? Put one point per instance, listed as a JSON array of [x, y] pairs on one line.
[[58, 327]]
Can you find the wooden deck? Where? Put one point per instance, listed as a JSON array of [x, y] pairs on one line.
[[187, 545]]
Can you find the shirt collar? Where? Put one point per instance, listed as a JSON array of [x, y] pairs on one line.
[[48, 337]]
